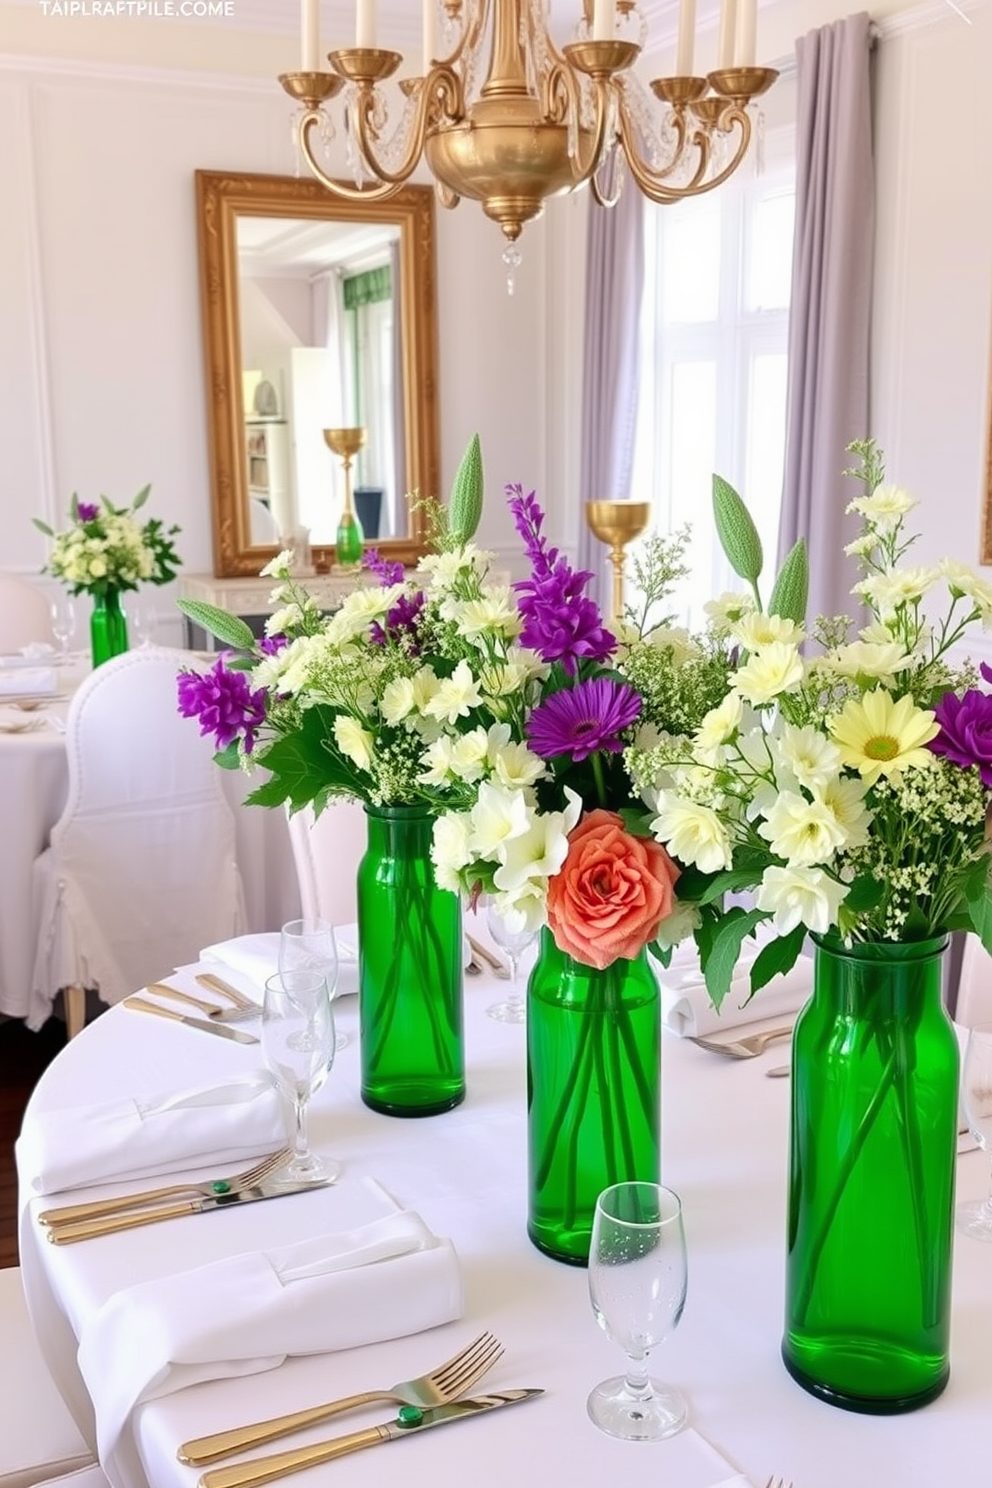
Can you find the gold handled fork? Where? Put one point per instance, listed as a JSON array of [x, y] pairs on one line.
[[442, 1385], [217, 984], [219, 1014], [744, 1048], [73, 1213]]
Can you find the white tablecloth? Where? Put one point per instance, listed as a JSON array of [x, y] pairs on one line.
[[724, 1150], [33, 780]]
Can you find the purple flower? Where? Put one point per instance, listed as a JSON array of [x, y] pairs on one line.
[[224, 704], [387, 573], [965, 736], [561, 623], [87, 511], [583, 719], [402, 620], [272, 645]]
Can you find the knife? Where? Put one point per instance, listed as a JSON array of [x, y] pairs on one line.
[[90, 1229], [408, 1422], [139, 1005]]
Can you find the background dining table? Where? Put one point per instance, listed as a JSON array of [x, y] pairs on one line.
[[724, 1144], [33, 783]]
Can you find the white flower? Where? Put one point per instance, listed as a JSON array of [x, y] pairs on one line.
[[885, 592], [800, 896], [885, 507], [726, 610], [468, 755], [456, 696], [398, 700], [720, 724], [845, 796], [450, 850], [879, 661], [354, 742], [963, 580], [692, 832], [284, 620], [810, 757], [538, 853], [756, 630], [498, 816], [679, 924], [773, 670], [289, 661], [437, 761], [494, 613], [278, 567], [800, 831], [359, 609], [514, 765]]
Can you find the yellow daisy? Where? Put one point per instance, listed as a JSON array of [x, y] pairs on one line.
[[880, 735]]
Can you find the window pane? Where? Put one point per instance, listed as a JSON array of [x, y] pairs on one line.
[[766, 451], [693, 448], [690, 288], [769, 277]]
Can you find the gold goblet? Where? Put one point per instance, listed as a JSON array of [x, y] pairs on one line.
[[617, 523], [350, 537]]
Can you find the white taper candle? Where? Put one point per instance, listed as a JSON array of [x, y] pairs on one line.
[[310, 35], [687, 38], [747, 20], [365, 24], [430, 33], [603, 19], [725, 46]]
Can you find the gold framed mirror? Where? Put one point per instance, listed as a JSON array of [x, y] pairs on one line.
[[317, 314]]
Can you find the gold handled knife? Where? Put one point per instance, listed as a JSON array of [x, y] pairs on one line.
[[139, 1005], [130, 1219], [408, 1422]]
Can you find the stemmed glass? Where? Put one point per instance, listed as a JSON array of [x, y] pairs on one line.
[[309, 945], [298, 1048], [637, 1285], [63, 622], [974, 1218], [144, 619], [509, 929]]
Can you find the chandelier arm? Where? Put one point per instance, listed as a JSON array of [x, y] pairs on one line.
[[599, 196], [439, 102], [585, 169], [651, 182], [339, 188]]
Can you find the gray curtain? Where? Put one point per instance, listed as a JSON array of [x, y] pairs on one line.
[[614, 281], [831, 304]]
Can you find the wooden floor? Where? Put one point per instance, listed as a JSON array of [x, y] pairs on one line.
[[23, 1057]]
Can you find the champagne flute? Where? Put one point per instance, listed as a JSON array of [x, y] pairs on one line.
[[637, 1285], [309, 944], [63, 622], [974, 1217], [510, 930], [298, 1048]]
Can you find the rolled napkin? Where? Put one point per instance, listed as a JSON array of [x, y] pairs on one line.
[[686, 1008], [385, 1278], [252, 959], [230, 1121], [28, 681]]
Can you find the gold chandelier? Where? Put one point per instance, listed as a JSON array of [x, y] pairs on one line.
[[541, 120]]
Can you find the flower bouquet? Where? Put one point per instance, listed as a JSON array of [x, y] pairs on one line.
[[107, 550]]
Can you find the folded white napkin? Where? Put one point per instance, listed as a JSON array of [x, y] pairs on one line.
[[686, 1008], [252, 959], [231, 1121], [30, 681], [386, 1278]]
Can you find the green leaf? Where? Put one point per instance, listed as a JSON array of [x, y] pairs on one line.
[[229, 758], [43, 527], [864, 894], [980, 908], [737, 533], [777, 957], [718, 967], [305, 763], [465, 503], [141, 498], [791, 589], [221, 623]]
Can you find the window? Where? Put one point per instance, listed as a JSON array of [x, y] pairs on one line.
[[714, 356]]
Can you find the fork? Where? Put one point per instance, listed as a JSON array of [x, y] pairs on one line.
[[219, 1014], [440, 1387], [210, 1188], [745, 1048], [774, 1482], [218, 984]]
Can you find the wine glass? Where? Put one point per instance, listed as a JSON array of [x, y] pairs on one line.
[[309, 944], [298, 1048], [637, 1284], [63, 622], [144, 619], [511, 932], [974, 1217]]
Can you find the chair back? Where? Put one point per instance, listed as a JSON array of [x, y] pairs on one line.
[[327, 851], [974, 997], [144, 851], [24, 617]]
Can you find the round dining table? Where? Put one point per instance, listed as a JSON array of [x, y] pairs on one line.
[[724, 1150]]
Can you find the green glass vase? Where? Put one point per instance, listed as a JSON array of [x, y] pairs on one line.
[[593, 1091], [410, 970], [350, 541], [108, 626], [871, 1178]]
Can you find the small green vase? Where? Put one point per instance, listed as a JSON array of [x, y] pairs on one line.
[[108, 627], [871, 1178], [349, 544], [593, 1091], [410, 970]]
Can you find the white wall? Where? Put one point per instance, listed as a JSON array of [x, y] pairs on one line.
[[101, 383]]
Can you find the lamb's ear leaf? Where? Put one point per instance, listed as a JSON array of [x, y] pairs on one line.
[[736, 530], [226, 627], [465, 504], [791, 589]]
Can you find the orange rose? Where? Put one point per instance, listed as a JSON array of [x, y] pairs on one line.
[[612, 893]]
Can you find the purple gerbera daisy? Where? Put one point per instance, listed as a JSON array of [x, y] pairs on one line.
[[224, 704], [583, 719]]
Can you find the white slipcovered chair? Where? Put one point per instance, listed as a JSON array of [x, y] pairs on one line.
[[974, 998], [141, 872], [38, 1438], [327, 851], [24, 616]]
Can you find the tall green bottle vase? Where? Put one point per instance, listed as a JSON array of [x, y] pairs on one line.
[[410, 970], [871, 1178], [593, 1091], [108, 627]]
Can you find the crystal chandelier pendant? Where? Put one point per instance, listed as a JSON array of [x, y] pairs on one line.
[[513, 258]]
